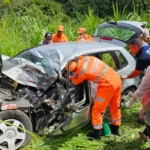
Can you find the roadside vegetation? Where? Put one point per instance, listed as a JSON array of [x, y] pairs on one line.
[[77, 140], [24, 23]]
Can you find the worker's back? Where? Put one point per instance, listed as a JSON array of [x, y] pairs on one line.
[[93, 69]]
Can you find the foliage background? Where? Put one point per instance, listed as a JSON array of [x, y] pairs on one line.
[[23, 24]]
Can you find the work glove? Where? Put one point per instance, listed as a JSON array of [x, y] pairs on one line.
[[131, 101]]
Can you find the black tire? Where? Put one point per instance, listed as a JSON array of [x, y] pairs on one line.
[[126, 93], [22, 117]]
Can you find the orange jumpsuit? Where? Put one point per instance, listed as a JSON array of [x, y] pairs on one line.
[[57, 39], [109, 83], [85, 37]]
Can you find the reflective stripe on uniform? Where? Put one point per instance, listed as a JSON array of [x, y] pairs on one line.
[[115, 120], [98, 78], [100, 99], [85, 65], [95, 66], [97, 126]]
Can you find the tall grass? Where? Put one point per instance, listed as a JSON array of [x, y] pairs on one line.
[[20, 32], [123, 15], [118, 15]]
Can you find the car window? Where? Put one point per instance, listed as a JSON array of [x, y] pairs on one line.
[[117, 33], [122, 60], [108, 59]]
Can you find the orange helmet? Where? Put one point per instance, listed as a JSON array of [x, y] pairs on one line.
[[81, 30], [73, 66], [60, 28]]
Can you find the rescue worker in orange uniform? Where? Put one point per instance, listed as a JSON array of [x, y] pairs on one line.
[[83, 36], [59, 36], [109, 83]]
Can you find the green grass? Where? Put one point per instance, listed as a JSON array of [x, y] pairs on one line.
[[129, 139]]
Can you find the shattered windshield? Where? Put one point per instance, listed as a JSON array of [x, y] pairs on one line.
[[34, 68]]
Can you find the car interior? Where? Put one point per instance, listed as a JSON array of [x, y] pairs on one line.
[[114, 59]]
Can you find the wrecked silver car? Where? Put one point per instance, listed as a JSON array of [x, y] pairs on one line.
[[36, 94]]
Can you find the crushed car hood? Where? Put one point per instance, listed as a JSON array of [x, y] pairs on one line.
[[41, 66], [33, 67]]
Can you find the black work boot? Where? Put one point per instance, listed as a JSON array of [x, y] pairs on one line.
[[145, 132], [114, 129], [140, 121], [95, 135], [145, 135], [148, 130]]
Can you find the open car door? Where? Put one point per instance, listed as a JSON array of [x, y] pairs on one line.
[[120, 33]]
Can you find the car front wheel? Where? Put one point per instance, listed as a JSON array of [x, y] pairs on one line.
[[13, 124], [126, 95]]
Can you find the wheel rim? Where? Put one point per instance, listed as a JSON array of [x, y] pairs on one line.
[[12, 137], [126, 97]]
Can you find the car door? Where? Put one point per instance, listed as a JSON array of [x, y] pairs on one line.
[[110, 59], [120, 33], [122, 62]]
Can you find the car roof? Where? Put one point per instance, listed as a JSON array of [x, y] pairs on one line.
[[49, 61], [69, 50], [82, 46]]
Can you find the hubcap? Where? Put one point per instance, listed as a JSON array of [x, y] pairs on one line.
[[11, 136]]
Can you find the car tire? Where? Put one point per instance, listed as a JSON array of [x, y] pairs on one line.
[[126, 95], [19, 119]]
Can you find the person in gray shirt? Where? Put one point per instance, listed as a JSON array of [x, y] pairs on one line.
[[47, 39]]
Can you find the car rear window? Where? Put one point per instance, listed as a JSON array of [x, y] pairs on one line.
[[117, 33]]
